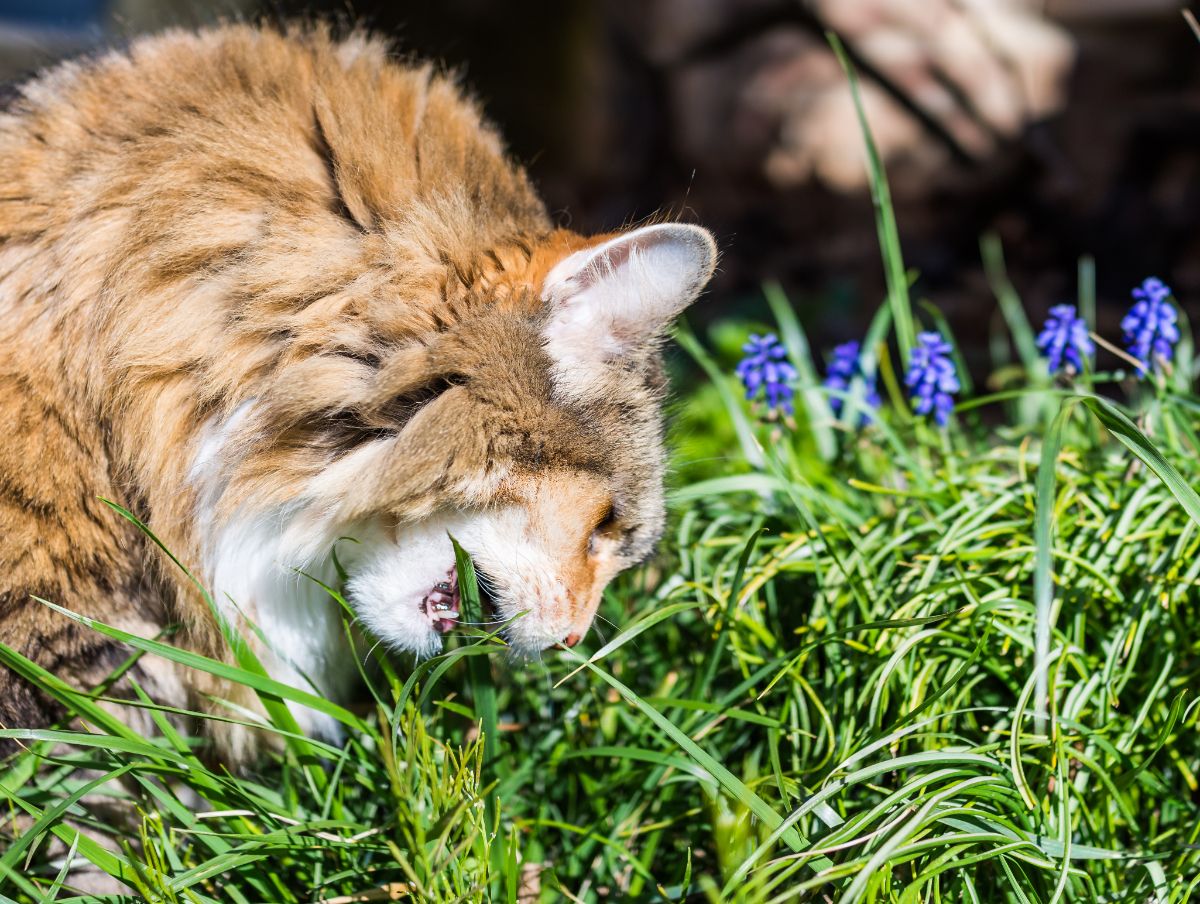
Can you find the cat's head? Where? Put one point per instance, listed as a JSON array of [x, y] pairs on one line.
[[525, 422], [532, 435]]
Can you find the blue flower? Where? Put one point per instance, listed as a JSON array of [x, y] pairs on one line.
[[1065, 338], [931, 379], [1151, 329], [844, 366], [766, 368]]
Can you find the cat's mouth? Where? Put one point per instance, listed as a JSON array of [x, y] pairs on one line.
[[441, 604]]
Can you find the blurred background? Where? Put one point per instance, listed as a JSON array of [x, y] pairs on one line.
[[1065, 127]]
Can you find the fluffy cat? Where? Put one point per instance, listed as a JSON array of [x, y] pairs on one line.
[[271, 289]]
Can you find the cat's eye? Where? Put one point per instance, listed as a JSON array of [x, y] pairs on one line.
[[607, 521], [400, 410], [605, 527], [346, 430]]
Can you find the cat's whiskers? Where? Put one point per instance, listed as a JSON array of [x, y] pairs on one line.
[[371, 652]]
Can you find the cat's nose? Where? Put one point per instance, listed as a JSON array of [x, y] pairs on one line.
[[573, 639]]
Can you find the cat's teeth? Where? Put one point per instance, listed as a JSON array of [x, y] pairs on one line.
[[444, 619], [441, 604]]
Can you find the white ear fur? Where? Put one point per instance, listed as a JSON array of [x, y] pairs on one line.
[[613, 297]]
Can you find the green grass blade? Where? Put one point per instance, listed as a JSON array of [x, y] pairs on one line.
[[751, 448], [1140, 445], [885, 217], [1043, 576], [262, 684], [820, 417], [727, 779]]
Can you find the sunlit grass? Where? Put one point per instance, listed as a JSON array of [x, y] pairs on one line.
[[826, 684]]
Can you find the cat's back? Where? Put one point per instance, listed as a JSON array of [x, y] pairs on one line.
[[251, 123]]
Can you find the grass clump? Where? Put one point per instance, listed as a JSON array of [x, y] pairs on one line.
[[876, 661]]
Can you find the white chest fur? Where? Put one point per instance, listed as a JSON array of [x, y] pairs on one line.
[[252, 571], [301, 623]]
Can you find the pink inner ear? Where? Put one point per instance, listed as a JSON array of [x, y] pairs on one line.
[[694, 251], [611, 258], [608, 298]]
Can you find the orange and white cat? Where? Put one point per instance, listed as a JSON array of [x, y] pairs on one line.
[[274, 289]]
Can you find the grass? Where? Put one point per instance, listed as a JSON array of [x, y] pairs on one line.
[[890, 664]]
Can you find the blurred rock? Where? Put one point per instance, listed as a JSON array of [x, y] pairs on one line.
[[941, 78], [1068, 134]]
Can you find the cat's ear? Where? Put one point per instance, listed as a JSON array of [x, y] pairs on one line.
[[620, 294]]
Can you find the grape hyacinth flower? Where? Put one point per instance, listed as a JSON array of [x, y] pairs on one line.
[[766, 368], [931, 378], [1151, 329], [844, 366], [1064, 337]]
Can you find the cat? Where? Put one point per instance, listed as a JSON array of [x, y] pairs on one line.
[[272, 288]]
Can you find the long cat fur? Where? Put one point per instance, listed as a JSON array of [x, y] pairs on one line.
[[267, 288]]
